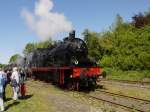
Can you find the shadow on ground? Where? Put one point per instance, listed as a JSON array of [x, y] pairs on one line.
[[8, 99], [101, 87], [13, 104], [16, 102], [25, 97]]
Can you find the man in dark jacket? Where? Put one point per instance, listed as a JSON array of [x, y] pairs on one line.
[[5, 84]]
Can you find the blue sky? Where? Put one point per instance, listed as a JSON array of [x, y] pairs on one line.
[[96, 15]]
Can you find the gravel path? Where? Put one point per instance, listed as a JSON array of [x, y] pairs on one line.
[[59, 100], [68, 101]]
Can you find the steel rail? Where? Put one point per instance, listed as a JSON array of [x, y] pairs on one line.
[[135, 98], [128, 107], [127, 81], [114, 103], [140, 85]]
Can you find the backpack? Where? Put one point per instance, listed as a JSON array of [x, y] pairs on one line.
[[13, 83]]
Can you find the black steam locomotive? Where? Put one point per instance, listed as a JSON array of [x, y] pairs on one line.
[[65, 63]]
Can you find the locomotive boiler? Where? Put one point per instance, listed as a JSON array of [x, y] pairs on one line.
[[65, 63]]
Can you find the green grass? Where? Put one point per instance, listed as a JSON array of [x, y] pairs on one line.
[[113, 74], [33, 103]]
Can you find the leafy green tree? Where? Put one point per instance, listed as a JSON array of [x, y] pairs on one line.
[[141, 19], [45, 44], [29, 48], [32, 46], [2, 65], [123, 46], [127, 47], [14, 58], [92, 41], [118, 22]]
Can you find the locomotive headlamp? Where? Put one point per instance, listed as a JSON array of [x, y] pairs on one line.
[[70, 76], [76, 62]]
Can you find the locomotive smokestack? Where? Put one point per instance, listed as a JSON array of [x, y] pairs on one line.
[[72, 34]]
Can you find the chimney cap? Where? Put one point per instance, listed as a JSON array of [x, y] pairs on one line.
[[72, 34]]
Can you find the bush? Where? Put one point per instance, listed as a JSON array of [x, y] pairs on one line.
[[128, 75]]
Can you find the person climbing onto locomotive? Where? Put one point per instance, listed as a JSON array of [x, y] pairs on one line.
[[15, 83], [2, 82]]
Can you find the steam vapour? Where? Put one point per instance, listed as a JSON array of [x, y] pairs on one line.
[[44, 22]]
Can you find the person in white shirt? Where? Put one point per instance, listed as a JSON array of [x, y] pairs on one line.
[[15, 81], [2, 82]]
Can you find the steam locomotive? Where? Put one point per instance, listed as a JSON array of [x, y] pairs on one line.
[[65, 63]]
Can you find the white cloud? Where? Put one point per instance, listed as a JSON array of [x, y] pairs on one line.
[[44, 22]]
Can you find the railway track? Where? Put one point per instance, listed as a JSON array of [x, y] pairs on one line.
[[128, 102], [132, 82], [135, 98], [125, 83]]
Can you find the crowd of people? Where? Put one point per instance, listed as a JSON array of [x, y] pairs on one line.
[[16, 80]]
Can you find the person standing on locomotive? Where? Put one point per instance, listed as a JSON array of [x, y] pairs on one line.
[[15, 83]]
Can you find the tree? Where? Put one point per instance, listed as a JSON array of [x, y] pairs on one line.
[[2, 65], [141, 19], [28, 48], [126, 48], [118, 21], [14, 58], [32, 46], [92, 41], [45, 44]]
